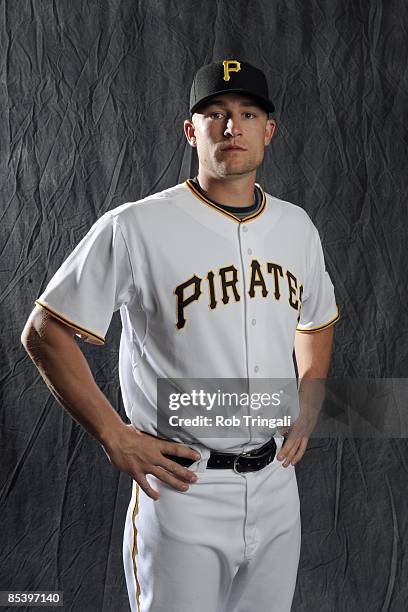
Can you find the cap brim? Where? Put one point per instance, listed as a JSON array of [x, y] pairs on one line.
[[263, 102]]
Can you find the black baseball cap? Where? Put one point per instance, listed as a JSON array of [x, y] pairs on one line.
[[229, 76]]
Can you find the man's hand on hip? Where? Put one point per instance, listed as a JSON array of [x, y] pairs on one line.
[[138, 454]]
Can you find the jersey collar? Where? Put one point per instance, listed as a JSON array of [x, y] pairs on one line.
[[190, 185]]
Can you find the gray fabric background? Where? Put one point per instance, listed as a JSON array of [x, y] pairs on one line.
[[92, 99]]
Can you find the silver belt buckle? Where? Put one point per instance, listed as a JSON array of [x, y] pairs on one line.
[[237, 458], [248, 453]]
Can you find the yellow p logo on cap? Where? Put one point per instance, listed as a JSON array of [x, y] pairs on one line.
[[230, 66]]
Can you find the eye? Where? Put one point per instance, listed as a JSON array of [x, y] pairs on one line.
[[216, 115], [249, 115]]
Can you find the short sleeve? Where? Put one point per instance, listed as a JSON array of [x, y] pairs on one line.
[[318, 305], [93, 282]]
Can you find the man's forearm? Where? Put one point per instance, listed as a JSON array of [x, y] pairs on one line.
[[66, 372], [313, 355], [61, 363]]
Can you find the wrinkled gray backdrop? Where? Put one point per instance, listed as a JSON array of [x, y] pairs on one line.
[[93, 95]]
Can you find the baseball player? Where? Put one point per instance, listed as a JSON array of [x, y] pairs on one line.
[[215, 279]]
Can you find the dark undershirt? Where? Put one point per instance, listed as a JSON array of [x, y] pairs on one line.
[[238, 211]]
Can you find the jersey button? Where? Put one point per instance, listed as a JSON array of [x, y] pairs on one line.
[[249, 251], [256, 369], [253, 321], [244, 228]]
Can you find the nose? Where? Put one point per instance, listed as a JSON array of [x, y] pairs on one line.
[[233, 127]]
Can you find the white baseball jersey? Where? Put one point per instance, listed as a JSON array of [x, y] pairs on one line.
[[201, 293]]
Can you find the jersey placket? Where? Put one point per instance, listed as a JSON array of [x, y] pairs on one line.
[[247, 238]]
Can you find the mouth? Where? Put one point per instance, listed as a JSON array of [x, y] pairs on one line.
[[233, 148]]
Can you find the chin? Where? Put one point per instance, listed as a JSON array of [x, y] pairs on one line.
[[238, 170], [231, 168]]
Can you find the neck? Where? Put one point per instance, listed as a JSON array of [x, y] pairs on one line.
[[235, 191]]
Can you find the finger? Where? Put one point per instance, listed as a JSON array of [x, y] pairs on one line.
[[178, 470], [291, 453], [296, 433], [145, 486], [286, 448], [167, 478], [301, 451], [179, 450]]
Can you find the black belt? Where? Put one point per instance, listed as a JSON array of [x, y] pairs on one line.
[[251, 461]]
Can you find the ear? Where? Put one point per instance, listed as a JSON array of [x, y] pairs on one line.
[[189, 131], [269, 130]]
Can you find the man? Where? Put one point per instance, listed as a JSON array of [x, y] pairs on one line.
[[215, 279]]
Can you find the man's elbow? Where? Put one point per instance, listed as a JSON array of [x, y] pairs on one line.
[[30, 336], [26, 336]]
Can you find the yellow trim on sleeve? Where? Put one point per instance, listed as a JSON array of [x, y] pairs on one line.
[[94, 338], [320, 327], [134, 549], [228, 214]]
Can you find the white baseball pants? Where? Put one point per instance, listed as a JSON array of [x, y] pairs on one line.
[[231, 543]]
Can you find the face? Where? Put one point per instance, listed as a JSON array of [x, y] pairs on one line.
[[230, 134]]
